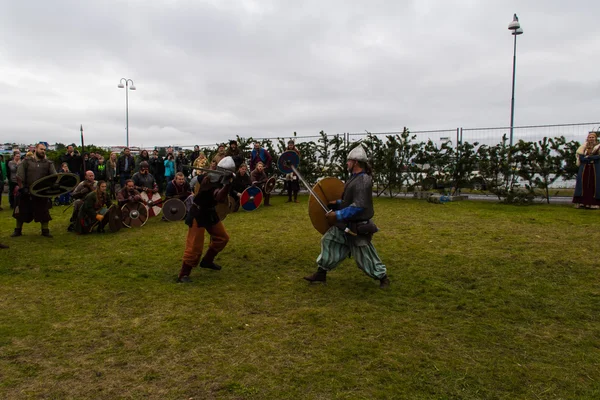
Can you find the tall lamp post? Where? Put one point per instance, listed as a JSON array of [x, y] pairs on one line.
[[515, 27], [128, 85]]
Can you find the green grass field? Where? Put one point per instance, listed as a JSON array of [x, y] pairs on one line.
[[487, 301]]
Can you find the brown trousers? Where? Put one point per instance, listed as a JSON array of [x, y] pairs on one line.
[[194, 243]]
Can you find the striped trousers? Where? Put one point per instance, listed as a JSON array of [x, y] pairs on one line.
[[336, 246]]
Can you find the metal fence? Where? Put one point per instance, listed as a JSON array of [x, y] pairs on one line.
[[488, 136]]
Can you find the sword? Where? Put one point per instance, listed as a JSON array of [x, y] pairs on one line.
[[216, 171], [325, 208]]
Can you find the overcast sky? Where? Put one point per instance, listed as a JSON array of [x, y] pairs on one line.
[[208, 70]]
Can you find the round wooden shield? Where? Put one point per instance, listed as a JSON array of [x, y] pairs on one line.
[[225, 208], [174, 209], [153, 201], [251, 198], [269, 185], [134, 214], [328, 189], [54, 185], [286, 160], [114, 218]]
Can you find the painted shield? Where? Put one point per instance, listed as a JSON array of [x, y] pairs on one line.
[[328, 189], [114, 218], [174, 209], [269, 185], [54, 185], [225, 208], [286, 160], [153, 201], [134, 214], [251, 198]]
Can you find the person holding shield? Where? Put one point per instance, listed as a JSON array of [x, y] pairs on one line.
[[351, 228], [29, 207]]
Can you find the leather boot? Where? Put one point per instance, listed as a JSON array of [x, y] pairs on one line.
[[16, 233], [184, 274], [46, 233], [208, 260], [384, 282], [296, 198], [3, 246], [319, 276]]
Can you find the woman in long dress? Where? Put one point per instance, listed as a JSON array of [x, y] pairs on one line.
[[587, 186]]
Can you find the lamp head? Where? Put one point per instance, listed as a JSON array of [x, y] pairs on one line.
[[132, 87], [121, 86], [514, 25]]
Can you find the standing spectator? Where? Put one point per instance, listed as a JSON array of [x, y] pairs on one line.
[[220, 154], [157, 168], [195, 154], [125, 166], [180, 162], [2, 179], [141, 158], [111, 175], [234, 152], [11, 170], [100, 172], [587, 189], [169, 168], [74, 161], [260, 154]]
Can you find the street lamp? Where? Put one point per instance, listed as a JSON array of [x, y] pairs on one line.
[[128, 85], [515, 27]]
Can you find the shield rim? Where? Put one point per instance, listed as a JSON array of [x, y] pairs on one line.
[[246, 195], [137, 206], [286, 155], [59, 177], [115, 211], [174, 200]]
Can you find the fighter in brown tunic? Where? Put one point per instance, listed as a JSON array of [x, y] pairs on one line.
[[29, 207]]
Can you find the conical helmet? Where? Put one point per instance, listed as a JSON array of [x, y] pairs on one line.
[[358, 154], [226, 164]]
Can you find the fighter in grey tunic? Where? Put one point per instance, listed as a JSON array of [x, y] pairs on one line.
[[352, 228]]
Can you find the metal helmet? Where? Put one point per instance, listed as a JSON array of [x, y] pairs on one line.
[[358, 154], [225, 165]]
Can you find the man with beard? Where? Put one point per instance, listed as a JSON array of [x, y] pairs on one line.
[[28, 207], [128, 193], [202, 217], [85, 186], [260, 154], [143, 180], [125, 166], [351, 226], [234, 152], [259, 178], [220, 154]]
